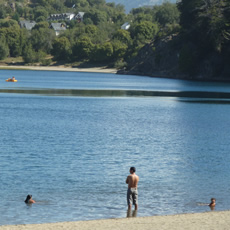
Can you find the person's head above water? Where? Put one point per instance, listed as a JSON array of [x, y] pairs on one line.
[[29, 199], [213, 202]]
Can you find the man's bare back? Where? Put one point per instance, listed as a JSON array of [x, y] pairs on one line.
[[132, 180]]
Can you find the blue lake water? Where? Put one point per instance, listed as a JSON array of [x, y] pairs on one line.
[[73, 153]]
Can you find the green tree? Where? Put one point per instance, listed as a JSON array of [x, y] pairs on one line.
[[29, 55], [146, 30], [12, 37], [40, 25], [119, 50], [96, 16], [91, 30], [204, 23], [19, 9], [2, 11], [42, 39], [226, 13], [4, 49], [143, 17], [9, 23], [123, 36], [61, 49], [116, 13], [82, 48], [102, 52], [213, 23], [167, 13], [40, 12], [16, 17]]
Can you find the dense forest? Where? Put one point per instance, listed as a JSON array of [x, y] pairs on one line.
[[200, 49], [205, 32], [196, 31]]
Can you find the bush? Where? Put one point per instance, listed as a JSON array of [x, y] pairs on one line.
[[120, 64], [46, 62], [4, 50]]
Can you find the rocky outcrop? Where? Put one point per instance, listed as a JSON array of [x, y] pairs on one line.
[[162, 58], [158, 58]]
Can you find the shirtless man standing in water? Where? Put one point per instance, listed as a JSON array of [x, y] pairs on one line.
[[132, 193]]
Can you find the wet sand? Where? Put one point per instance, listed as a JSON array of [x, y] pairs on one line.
[[198, 221], [62, 68]]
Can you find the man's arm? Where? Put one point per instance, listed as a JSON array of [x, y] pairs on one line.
[[127, 180]]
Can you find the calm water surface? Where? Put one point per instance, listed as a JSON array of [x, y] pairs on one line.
[[73, 153]]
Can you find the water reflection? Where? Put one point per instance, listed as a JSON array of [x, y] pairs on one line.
[[131, 213], [123, 93], [207, 101]]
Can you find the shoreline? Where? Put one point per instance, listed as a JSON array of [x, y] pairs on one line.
[[60, 68], [104, 69], [207, 220]]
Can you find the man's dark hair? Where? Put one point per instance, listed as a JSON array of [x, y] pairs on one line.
[[133, 169]]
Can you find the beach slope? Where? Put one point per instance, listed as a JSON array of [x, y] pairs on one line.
[[200, 221]]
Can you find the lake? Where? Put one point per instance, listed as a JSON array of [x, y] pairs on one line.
[[70, 138]]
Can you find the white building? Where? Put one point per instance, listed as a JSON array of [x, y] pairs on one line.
[[125, 26]]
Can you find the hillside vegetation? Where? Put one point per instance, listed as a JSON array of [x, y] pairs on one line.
[[97, 39], [201, 49], [188, 39]]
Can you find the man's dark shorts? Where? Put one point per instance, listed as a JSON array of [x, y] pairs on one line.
[[132, 196]]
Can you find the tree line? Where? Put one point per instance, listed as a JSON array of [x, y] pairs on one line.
[[98, 39], [203, 28]]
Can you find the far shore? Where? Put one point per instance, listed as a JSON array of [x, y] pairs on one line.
[[60, 68], [201, 221]]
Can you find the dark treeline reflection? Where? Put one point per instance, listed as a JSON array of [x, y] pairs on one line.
[[122, 93]]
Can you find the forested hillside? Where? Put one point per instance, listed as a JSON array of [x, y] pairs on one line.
[[201, 49], [187, 39], [97, 38]]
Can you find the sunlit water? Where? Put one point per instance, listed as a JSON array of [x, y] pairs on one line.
[[73, 153]]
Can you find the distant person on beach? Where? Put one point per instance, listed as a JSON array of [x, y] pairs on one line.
[[132, 193], [29, 200], [213, 203]]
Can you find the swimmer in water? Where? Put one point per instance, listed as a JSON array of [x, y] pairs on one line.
[[29, 200], [213, 203]]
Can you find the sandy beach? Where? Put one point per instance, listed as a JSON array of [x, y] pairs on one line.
[[61, 68], [197, 221]]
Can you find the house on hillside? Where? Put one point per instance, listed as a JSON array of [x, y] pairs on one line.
[[125, 26], [67, 17], [58, 27], [27, 24], [61, 17], [79, 16]]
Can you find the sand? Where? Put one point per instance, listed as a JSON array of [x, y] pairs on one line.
[[62, 68], [198, 221]]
